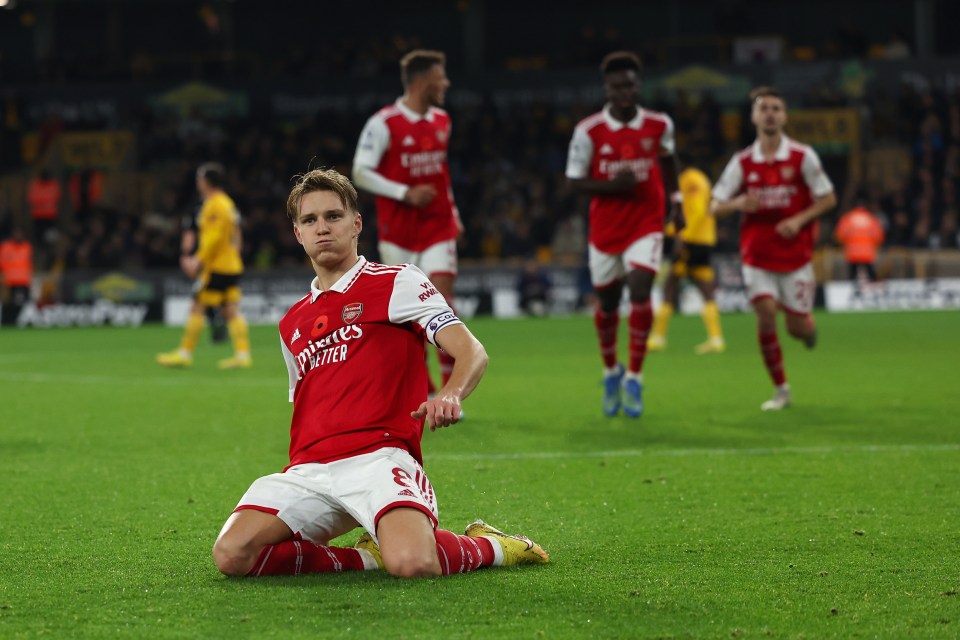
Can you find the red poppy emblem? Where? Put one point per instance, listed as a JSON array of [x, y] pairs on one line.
[[318, 326]]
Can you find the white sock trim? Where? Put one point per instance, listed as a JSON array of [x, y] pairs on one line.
[[497, 550], [369, 562]]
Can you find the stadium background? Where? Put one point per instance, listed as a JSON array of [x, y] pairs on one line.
[[121, 101]]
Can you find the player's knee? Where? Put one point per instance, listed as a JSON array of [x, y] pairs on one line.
[[411, 563], [231, 559]]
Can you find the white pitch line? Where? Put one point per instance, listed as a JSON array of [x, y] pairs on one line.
[[171, 380], [663, 453]]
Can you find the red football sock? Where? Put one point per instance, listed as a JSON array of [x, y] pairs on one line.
[[772, 356], [294, 557], [640, 321], [459, 554], [607, 325]]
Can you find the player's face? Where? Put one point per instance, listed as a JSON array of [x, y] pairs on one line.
[[622, 88], [769, 115], [436, 84], [326, 229]]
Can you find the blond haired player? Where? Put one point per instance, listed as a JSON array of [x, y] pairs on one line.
[[354, 348], [217, 263], [692, 252]]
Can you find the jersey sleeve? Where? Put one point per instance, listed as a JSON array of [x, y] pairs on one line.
[[580, 155], [374, 142], [814, 175], [416, 299], [730, 182], [292, 371], [667, 142]]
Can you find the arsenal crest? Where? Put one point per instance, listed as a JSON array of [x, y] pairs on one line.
[[787, 172], [647, 144], [441, 135], [351, 312]]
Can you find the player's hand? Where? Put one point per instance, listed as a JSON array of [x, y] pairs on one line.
[[677, 218], [749, 203], [440, 411], [789, 227], [420, 195], [190, 265]]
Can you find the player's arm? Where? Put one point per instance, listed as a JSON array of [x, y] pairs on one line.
[[725, 200], [470, 361], [791, 226], [374, 142], [579, 159], [668, 165]]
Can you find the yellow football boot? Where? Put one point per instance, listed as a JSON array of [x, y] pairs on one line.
[[516, 549], [236, 362], [366, 543], [174, 359]]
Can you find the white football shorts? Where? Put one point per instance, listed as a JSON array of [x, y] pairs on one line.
[[794, 290], [323, 501], [643, 253], [440, 258]]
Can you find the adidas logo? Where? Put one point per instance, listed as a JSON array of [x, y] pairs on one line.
[[408, 141], [406, 492], [606, 148], [753, 177], [295, 336]]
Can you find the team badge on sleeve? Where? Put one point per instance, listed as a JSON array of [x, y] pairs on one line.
[[351, 312]]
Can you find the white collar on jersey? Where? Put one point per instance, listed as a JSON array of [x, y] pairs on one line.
[[412, 115], [340, 285], [783, 151], [616, 125]]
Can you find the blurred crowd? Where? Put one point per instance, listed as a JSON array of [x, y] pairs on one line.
[[507, 164]]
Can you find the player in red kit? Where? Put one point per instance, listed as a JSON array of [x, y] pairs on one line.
[[781, 188], [623, 157], [401, 158], [354, 349]]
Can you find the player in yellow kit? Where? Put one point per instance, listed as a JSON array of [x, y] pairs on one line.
[[217, 263], [692, 252]]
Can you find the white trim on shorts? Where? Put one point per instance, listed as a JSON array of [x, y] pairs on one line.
[[322, 501], [793, 290], [643, 253], [440, 258]]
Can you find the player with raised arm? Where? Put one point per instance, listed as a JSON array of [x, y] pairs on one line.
[[781, 189], [623, 157], [401, 158], [354, 348]]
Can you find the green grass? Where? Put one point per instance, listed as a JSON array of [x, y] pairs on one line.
[[705, 518]]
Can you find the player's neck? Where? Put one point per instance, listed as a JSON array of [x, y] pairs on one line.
[[770, 143], [328, 274], [624, 115], [417, 103]]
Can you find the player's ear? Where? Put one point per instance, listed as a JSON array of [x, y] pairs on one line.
[[358, 225], [296, 232]]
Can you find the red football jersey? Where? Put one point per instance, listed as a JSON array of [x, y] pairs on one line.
[[410, 149], [355, 354], [602, 147], [785, 186]]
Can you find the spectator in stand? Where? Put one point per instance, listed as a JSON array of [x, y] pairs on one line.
[[16, 263], [861, 234], [44, 196]]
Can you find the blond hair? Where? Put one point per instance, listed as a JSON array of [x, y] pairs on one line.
[[321, 180]]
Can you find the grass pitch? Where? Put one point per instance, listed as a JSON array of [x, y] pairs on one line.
[[704, 519]]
